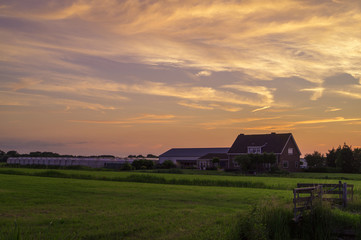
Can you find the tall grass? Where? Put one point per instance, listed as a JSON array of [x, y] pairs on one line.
[[272, 220], [268, 220], [13, 233]]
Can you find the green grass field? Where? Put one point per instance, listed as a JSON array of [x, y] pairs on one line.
[[70, 208], [56, 208], [266, 182]]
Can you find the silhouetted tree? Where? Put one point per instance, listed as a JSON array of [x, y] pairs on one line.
[[142, 164], [167, 164], [345, 159], [12, 153], [357, 157], [331, 158], [251, 162], [215, 161], [315, 160]]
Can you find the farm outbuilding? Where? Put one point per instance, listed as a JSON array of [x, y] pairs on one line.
[[68, 161], [187, 157]]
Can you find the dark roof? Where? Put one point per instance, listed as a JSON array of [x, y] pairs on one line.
[[192, 152], [272, 143], [215, 155]]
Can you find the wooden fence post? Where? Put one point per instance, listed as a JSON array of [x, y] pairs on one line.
[[295, 205], [344, 195]]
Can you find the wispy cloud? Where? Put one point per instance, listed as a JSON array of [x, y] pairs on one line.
[[220, 35], [143, 119], [263, 92], [195, 105], [201, 94], [333, 109], [204, 73], [327, 120], [260, 109], [229, 123], [210, 106], [317, 92], [348, 94]]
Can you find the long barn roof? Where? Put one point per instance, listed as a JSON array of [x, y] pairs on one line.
[[192, 152]]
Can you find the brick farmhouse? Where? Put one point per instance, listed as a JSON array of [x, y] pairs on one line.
[[283, 145]]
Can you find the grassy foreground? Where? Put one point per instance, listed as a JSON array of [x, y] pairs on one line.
[[79, 204], [60, 208]]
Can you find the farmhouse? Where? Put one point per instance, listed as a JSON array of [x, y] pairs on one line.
[[187, 157], [282, 145]]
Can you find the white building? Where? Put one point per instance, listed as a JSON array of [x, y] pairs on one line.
[[68, 161]]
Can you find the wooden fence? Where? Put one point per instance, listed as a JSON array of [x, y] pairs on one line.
[[305, 195]]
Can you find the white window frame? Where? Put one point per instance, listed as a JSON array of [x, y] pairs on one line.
[[290, 151], [254, 150]]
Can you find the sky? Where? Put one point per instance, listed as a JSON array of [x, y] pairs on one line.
[[127, 77]]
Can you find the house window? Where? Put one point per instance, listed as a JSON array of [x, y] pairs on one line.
[[290, 151], [296, 164], [254, 149], [285, 164]]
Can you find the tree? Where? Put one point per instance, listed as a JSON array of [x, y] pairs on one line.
[[142, 164], [3, 157], [345, 159], [12, 153], [259, 162], [315, 160], [244, 161], [357, 157], [215, 161], [168, 164], [331, 158], [269, 158]]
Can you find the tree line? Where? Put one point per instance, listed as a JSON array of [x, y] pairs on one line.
[[12, 153], [342, 159]]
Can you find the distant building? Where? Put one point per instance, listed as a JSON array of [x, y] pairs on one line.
[[187, 157], [70, 161], [206, 161]]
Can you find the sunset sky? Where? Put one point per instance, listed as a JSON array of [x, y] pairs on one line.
[[142, 76]]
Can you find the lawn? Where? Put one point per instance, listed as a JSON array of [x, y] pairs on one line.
[[60, 208]]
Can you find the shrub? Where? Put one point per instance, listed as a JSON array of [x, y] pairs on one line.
[[167, 164], [127, 167], [143, 164]]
